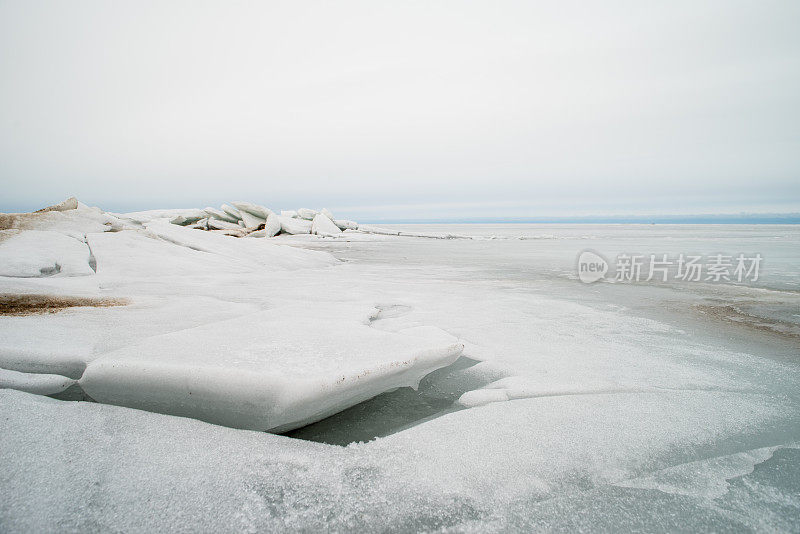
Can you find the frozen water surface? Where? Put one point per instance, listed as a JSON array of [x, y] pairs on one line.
[[603, 407]]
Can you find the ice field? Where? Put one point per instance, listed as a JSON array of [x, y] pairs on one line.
[[452, 377]]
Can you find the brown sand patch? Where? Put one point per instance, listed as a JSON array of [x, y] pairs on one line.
[[20, 305]]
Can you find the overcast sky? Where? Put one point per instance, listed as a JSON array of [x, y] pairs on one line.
[[414, 109]]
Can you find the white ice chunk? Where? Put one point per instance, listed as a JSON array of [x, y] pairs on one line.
[[307, 214], [292, 214], [36, 253], [218, 224], [323, 225], [252, 221], [295, 226], [327, 213], [271, 227], [344, 224], [214, 213], [233, 212], [188, 217], [202, 224], [253, 209], [274, 370], [40, 384]]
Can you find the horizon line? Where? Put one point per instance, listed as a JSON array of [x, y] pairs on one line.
[[772, 218]]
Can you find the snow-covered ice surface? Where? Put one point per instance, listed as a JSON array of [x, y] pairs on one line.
[[604, 407]]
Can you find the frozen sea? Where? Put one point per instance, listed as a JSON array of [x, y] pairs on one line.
[[653, 406]]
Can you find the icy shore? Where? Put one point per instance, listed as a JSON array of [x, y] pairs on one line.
[[580, 408]]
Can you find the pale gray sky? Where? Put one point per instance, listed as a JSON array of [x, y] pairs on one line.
[[428, 108]]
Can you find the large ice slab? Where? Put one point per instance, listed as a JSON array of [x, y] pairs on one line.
[[274, 370]]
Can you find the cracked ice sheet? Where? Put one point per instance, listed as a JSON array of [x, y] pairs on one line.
[[273, 370]]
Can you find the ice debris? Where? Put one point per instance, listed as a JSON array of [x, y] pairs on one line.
[[240, 219]]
